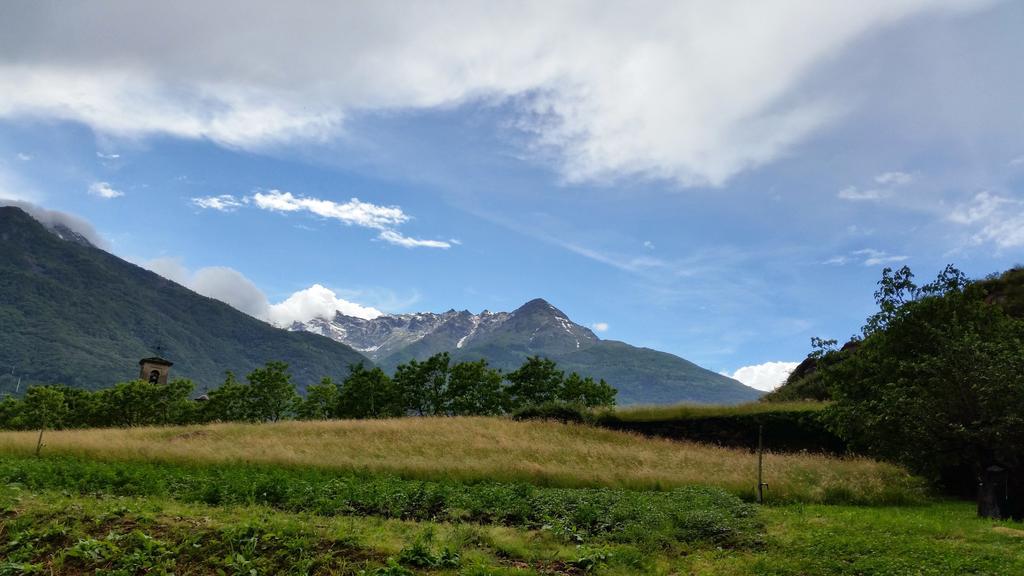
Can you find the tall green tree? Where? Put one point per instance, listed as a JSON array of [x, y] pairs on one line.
[[537, 381], [44, 407], [227, 403], [412, 384], [475, 389], [141, 403], [436, 370], [423, 386], [368, 394], [321, 401], [586, 392], [272, 394]]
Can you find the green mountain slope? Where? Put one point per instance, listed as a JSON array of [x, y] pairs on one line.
[[74, 314]]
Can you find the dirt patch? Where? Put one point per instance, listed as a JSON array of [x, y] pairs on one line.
[[1009, 531]]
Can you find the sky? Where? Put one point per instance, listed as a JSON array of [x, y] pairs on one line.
[[719, 180]]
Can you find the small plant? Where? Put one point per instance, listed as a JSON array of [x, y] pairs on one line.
[[392, 569], [421, 555], [590, 559]]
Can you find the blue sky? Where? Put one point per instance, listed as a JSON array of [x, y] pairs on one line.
[[714, 180]]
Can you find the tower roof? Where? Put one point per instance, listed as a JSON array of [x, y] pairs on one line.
[[156, 360]]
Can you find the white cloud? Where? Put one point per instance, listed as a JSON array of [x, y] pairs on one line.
[[648, 245], [104, 190], [894, 178], [889, 179], [878, 257], [317, 302], [996, 219], [700, 93], [984, 207], [232, 287], [392, 237], [853, 194], [867, 257], [235, 289], [766, 377], [838, 260], [352, 212], [104, 156], [1018, 161], [600, 326], [23, 157], [223, 203]]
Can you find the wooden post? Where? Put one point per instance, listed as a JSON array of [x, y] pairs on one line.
[[39, 442], [760, 464]]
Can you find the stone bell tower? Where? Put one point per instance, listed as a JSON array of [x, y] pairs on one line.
[[154, 370]]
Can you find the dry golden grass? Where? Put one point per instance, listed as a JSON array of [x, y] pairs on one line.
[[468, 449]]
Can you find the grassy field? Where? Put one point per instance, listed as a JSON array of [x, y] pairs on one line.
[[49, 532], [491, 449], [465, 497], [641, 413]]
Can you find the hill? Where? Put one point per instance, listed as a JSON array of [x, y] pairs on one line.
[[505, 339], [71, 313]]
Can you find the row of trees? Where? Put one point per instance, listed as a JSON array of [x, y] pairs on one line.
[[433, 387]]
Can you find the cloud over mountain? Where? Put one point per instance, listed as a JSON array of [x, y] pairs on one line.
[[235, 289]]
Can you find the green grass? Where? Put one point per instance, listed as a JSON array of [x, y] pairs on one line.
[[693, 411], [936, 540], [54, 532], [692, 515]]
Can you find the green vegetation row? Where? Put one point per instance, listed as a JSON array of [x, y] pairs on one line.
[[783, 427], [651, 519], [434, 387]]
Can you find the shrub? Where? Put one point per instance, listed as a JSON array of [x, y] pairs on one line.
[[552, 411]]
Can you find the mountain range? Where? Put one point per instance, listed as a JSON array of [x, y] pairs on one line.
[[72, 313], [505, 339]]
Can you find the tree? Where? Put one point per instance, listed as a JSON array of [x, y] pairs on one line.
[[44, 408], [937, 384], [228, 403], [141, 403], [271, 393], [435, 372], [321, 401], [423, 386], [475, 389], [368, 394], [411, 385], [586, 392], [537, 381]]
